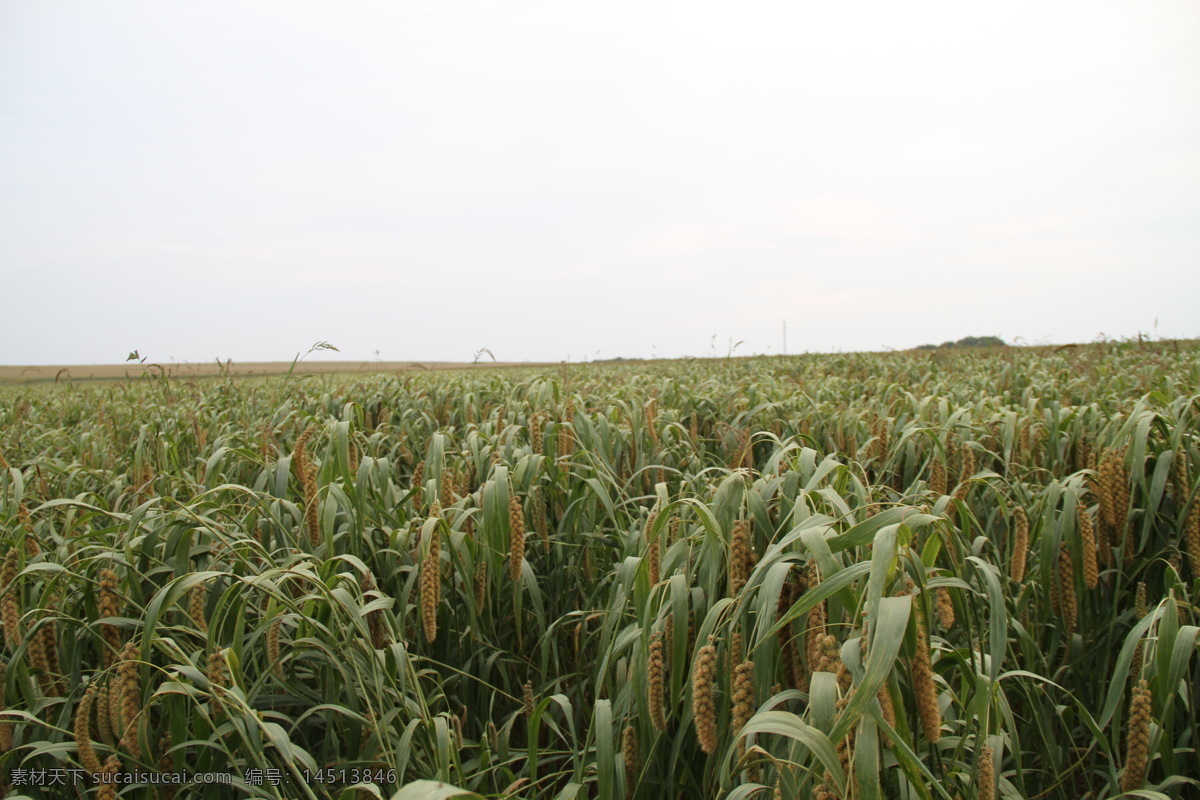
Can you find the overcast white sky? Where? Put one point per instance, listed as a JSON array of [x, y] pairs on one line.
[[591, 180]]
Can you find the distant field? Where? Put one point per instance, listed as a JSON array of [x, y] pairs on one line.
[[32, 374]]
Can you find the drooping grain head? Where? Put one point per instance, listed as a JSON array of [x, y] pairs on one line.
[[791, 661], [815, 637], [108, 788], [1192, 536], [113, 712], [944, 608], [36, 655], [527, 701], [449, 491], [300, 452], [937, 476], [1114, 489], [312, 510], [743, 707], [45, 645], [704, 707], [1083, 453], [888, 709], [987, 774], [104, 719], [535, 434], [566, 432], [538, 506], [376, 628], [1087, 545], [10, 608], [273, 652], [655, 682], [1137, 739], [431, 585], [197, 603], [741, 557], [166, 761], [218, 678], [735, 649], [652, 421], [516, 541], [418, 485], [966, 471], [924, 686], [265, 445], [743, 695], [1066, 586], [1020, 549], [631, 760], [83, 731], [1183, 477], [131, 699]]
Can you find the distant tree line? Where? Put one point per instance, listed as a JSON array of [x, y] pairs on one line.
[[968, 341]]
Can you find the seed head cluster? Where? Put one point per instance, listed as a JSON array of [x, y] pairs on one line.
[[655, 683], [1137, 739], [431, 585], [1068, 603], [516, 540], [1020, 551], [1087, 544], [741, 557], [109, 606], [704, 704], [10, 608], [937, 476], [924, 687], [306, 471]]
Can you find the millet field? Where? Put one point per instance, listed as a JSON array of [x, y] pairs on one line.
[[948, 574]]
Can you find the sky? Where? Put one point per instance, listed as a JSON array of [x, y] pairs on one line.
[[571, 180]]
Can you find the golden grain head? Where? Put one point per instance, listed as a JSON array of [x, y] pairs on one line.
[[10, 608], [944, 608], [741, 557], [1192, 536], [1068, 602], [924, 687], [1087, 546], [704, 707], [1020, 551], [273, 651], [83, 731], [743, 694], [655, 682], [1137, 738], [430, 586], [937, 476], [516, 542], [987, 774], [630, 758]]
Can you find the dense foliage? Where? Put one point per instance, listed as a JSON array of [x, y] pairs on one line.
[[950, 574]]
